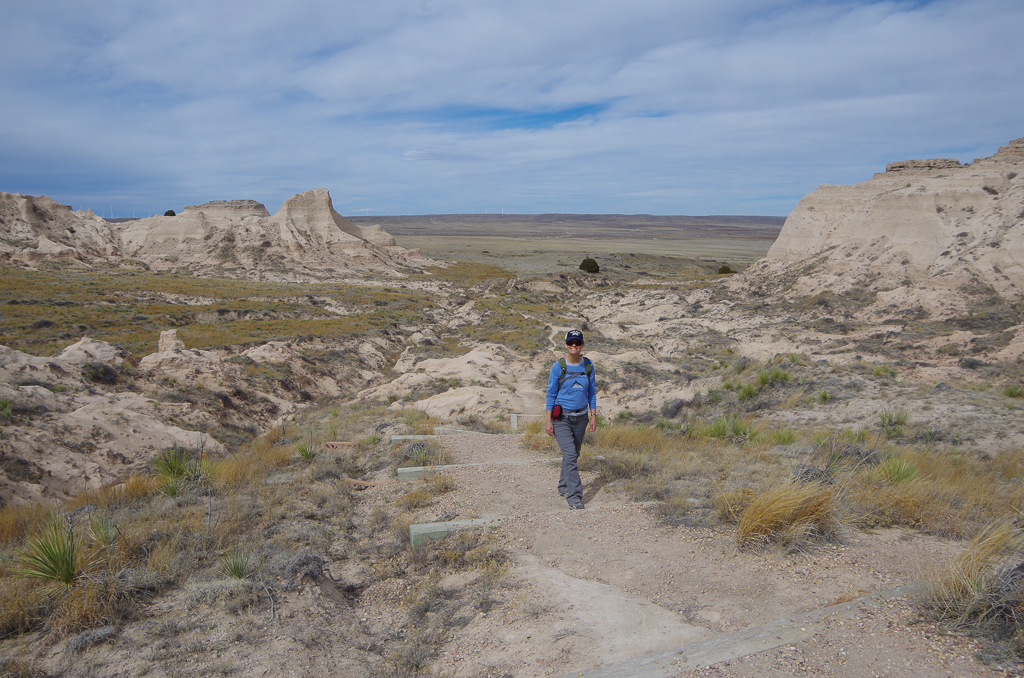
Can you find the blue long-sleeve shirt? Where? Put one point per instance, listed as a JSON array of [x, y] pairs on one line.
[[577, 391]]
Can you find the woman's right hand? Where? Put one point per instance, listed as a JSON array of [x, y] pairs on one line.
[[549, 428]]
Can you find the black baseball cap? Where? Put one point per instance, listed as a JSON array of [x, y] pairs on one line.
[[574, 334]]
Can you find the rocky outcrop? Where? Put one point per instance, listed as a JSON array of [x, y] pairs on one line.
[[916, 234], [305, 240], [86, 417]]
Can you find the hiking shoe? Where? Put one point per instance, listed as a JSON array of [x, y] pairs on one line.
[[577, 505]]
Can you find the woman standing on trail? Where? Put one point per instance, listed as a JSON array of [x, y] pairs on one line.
[[571, 403]]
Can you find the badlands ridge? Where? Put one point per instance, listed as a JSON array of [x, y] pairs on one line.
[[853, 276], [307, 239]]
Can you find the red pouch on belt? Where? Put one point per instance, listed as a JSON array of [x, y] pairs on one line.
[[556, 411]]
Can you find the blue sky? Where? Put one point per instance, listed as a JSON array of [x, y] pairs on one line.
[[439, 106]]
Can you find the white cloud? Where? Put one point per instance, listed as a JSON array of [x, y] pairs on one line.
[[728, 106]]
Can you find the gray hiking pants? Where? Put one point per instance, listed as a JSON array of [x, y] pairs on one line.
[[569, 431]]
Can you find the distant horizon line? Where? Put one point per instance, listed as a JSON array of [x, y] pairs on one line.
[[363, 217]]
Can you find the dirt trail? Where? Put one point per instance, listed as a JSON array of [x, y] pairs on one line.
[[610, 583]]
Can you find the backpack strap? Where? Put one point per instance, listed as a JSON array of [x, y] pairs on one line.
[[588, 367]]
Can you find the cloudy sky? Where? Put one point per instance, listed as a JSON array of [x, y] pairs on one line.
[[438, 106]]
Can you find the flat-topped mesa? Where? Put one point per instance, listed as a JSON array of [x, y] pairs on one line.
[[230, 209], [928, 165]]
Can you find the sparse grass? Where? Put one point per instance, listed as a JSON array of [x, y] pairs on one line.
[[884, 371], [950, 496], [747, 391], [414, 499], [895, 470], [1013, 391], [145, 305], [892, 422], [772, 377], [732, 504], [783, 436], [727, 426], [421, 453], [135, 542]]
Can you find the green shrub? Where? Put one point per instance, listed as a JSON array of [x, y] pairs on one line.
[[100, 372], [773, 376], [725, 270], [892, 422], [170, 213], [588, 265], [884, 371], [1013, 391]]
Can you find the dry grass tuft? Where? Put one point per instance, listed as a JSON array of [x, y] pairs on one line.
[[732, 504], [985, 583], [17, 520], [414, 499], [23, 604], [791, 514]]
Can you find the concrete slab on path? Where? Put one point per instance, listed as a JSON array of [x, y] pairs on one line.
[[407, 473], [423, 532], [739, 644]]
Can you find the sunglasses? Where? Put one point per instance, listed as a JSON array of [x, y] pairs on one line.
[[574, 343]]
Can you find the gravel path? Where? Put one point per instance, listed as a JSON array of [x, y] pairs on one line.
[[612, 582]]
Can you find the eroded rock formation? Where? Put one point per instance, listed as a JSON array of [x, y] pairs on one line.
[[918, 234], [306, 239]]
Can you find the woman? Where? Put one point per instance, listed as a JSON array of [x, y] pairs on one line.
[[572, 388]]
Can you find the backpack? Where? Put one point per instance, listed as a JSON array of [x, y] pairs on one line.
[[588, 368]]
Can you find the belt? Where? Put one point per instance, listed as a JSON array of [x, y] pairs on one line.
[[575, 413]]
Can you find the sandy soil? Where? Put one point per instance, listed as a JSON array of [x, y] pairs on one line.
[[611, 582]]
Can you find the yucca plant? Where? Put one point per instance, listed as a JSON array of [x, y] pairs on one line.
[[236, 564], [747, 391], [421, 456], [103, 531], [306, 452], [175, 463], [895, 470], [170, 487], [772, 376], [55, 555]]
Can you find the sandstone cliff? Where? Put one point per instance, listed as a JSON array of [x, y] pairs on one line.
[[306, 239], [923, 233]]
